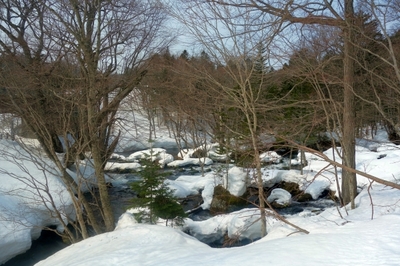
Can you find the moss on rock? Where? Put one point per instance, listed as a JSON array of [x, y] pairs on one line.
[[222, 200]]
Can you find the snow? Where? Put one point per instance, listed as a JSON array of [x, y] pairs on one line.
[[113, 166], [316, 188], [186, 185], [190, 161], [270, 156], [131, 162], [155, 154], [237, 181], [280, 196], [208, 193], [25, 206], [338, 236], [243, 224], [272, 176], [363, 236], [351, 242]]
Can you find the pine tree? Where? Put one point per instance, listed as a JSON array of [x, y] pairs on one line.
[[155, 197], [184, 55]]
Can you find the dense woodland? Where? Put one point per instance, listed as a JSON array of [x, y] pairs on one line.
[[258, 76]]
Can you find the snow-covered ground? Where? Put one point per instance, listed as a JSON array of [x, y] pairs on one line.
[[332, 241], [25, 205], [366, 235]]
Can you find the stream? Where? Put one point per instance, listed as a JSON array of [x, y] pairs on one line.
[[46, 245], [121, 194]]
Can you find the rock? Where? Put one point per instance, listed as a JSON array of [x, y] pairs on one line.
[[236, 181], [222, 200], [270, 157], [303, 197], [192, 203], [280, 196], [291, 187], [219, 205], [199, 153], [381, 156], [317, 187]]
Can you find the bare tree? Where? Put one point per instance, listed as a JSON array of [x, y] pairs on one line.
[[380, 62], [322, 13], [235, 38], [76, 61]]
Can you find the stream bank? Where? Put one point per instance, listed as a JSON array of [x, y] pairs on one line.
[[46, 245], [121, 195]]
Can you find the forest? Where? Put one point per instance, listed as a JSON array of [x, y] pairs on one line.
[[252, 76]]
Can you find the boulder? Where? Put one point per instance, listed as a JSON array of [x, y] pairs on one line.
[[281, 197], [222, 200], [237, 181]]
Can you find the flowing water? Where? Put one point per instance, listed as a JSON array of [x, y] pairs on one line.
[[46, 245], [121, 194]]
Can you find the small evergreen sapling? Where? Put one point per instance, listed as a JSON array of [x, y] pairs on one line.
[[154, 197]]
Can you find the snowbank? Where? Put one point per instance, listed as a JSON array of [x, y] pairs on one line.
[[25, 206], [350, 241]]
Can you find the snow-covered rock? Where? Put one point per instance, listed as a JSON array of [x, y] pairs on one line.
[[186, 185], [190, 161], [236, 181], [316, 187], [207, 194], [125, 220], [280, 196], [244, 224], [113, 166], [213, 153], [270, 157], [239, 225], [155, 154]]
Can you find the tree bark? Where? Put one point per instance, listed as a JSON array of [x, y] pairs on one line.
[[349, 180], [261, 197]]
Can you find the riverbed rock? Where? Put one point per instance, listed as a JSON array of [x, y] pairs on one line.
[[280, 197], [236, 181], [199, 153], [222, 200], [270, 157], [303, 197], [291, 187], [317, 188]]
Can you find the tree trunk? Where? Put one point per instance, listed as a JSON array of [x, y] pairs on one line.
[[99, 154], [349, 181], [108, 214], [261, 196]]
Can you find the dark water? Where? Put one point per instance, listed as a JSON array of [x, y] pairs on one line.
[[46, 245]]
